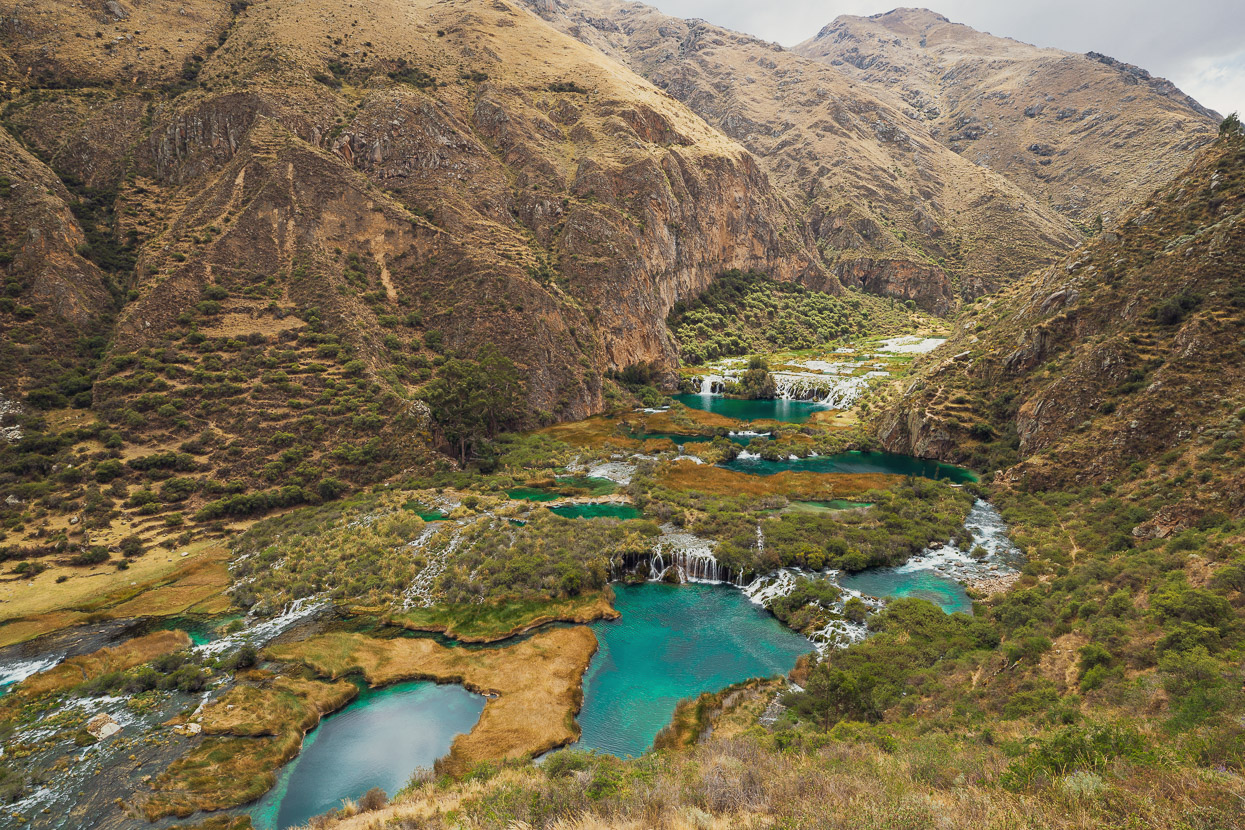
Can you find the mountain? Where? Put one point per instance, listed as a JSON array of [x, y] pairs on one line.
[[1118, 364], [1085, 135], [893, 210], [335, 197]]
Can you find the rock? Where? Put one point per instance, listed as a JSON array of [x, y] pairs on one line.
[[102, 726], [188, 729], [115, 9]]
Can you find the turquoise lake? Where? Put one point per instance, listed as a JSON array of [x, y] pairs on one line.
[[946, 593], [791, 412], [856, 462], [597, 511], [377, 741], [674, 642]]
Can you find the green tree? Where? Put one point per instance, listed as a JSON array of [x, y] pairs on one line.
[[474, 400], [757, 382]]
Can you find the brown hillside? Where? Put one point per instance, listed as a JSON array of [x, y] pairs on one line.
[[1123, 358], [892, 209], [1087, 136]]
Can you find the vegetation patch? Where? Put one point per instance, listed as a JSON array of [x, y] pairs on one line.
[[488, 623]]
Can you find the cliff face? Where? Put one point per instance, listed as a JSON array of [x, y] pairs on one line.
[[891, 208], [500, 181], [1125, 352], [56, 304], [1085, 134]]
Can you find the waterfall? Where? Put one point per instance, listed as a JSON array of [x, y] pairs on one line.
[[712, 384], [656, 566], [690, 556]]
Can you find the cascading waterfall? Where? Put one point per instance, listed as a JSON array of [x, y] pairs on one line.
[[712, 384]]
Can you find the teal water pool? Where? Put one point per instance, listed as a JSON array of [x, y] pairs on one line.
[[595, 486], [377, 741], [856, 461], [946, 593], [674, 642], [201, 629], [831, 506], [532, 494], [597, 511], [791, 412]]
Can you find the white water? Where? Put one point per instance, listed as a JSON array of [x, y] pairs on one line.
[[911, 344], [985, 528], [262, 632], [420, 592], [691, 557], [619, 472], [16, 672], [837, 633], [834, 385]]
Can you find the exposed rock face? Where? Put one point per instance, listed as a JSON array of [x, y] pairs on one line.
[[877, 188], [54, 297], [1128, 350], [1084, 133], [926, 286], [506, 183]]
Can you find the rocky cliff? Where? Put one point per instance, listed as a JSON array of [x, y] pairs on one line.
[[892, 209], [1122, 356], [498, 180], [1085, 135]]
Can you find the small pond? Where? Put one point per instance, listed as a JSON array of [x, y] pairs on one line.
[[674, 642], [597, 511], [377, 741], [855, 461], [946, 593], [792, 412]]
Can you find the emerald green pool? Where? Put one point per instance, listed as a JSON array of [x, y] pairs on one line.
[[201, 629], [856, 461], [674, 642], [597, 511], [946, 593], [376, 741], [423, 512], [826, 506], [532, 494], [792, 412], [594, 486]]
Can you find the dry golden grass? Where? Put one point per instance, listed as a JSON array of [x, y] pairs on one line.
[[77, 670], [688, 476], [158, 583], [279, 704], [534, 685]]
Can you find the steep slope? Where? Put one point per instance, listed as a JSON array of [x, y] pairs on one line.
[[1086, 135], [524, 148], [892, 209], [56, 303], [1120, 363], [272, 223]]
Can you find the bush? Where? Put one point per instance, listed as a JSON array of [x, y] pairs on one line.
[[92, 556], [1086, 748]]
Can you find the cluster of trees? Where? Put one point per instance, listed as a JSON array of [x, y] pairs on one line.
[[474, 399], [746, 312]]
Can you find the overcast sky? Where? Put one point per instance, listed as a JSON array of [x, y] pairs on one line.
[[1197, 44]]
